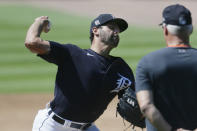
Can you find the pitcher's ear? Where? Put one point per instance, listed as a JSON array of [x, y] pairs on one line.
[[95, 31]]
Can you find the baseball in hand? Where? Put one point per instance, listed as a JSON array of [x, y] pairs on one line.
[[46, 26]]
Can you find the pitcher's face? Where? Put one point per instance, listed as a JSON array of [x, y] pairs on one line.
[[109, 34]]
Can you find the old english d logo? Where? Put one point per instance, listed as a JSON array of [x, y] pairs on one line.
[[122, 83]]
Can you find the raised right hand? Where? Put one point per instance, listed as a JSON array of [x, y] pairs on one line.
[[44, 22]]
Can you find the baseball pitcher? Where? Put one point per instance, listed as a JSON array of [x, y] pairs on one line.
[[87, 79]]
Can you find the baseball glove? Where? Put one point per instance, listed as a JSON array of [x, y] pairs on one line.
[[129, 110]]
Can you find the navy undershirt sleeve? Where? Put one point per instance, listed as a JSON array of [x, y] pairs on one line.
[[58, 53]]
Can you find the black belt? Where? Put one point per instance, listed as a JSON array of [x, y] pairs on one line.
[[73, 125]]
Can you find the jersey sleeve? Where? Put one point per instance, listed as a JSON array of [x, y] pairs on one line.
[[58, 53], [143, 81]]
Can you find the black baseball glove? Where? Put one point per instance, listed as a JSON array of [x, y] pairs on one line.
[[129, 110]]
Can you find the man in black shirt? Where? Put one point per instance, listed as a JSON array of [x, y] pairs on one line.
[[166, 82], [87, 79]]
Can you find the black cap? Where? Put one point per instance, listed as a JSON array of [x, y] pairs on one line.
[[104, 18], [177, 15]]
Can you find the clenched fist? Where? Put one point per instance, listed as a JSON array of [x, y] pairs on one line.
[[44, 22]]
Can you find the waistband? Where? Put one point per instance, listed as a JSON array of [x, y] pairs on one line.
[[76, 125]]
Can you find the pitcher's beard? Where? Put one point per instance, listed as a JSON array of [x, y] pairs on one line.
[[114, 40], [109, 39]]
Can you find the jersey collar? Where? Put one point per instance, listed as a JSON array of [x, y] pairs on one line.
[[179, 45]]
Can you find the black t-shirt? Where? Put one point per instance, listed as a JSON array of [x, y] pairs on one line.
[[171, 73], [85, 82]]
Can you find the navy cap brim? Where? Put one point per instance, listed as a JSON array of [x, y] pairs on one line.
[[122, 24]]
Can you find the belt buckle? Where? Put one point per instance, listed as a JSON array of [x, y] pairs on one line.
[[85, 126]]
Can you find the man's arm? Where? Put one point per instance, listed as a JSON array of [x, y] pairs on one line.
[[33, 41], [145, 100]]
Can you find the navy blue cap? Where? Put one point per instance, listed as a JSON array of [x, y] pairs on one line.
[[177, 15], [104, 18]]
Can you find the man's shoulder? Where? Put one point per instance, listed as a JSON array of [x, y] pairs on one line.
[[153, 57], [120, 64], [67, 45], [156, 53], [167, 52], [119, 60], [73, 48]]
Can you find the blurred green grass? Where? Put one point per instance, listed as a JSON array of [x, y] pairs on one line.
[[23, 72]]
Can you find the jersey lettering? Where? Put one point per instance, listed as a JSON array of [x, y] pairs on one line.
[[122, 83]]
